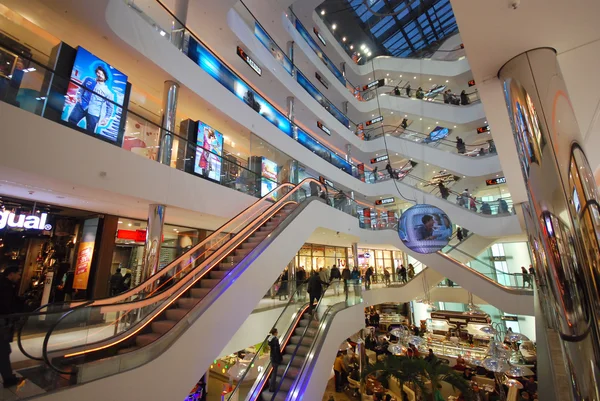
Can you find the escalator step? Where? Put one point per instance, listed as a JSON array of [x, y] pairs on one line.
[[199, 292], [292, 371], [208, 283], [162, 326], [144, 339], [187, 303], [297, 362], [305, 340], [309, 333], [302, 350], [218, 274], [176, 314]]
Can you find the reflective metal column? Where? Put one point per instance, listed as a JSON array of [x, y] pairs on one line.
[[154, 234], [291, 115], [170, 96], [178, 30], [290, 54], [563, 215]]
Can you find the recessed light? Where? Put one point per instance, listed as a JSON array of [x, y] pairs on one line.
[[485, 122], [369, 54], [344, 39], [387, 75], [396, 154], [392, 112], [447, 81], [455, 126], [420, 118], [334, 26], [406, 115], [437, 122], [322, 12], [464, 176], [400, 76], [369, 79], [129, 224], [372, 115], [376, 154], [351, 47], [414, 77], [428, 164], [430, 79], [358, 54], [496, 175], [362, 47], [428, 127], [120, 222]]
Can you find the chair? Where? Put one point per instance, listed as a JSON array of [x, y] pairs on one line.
[[354, 386]]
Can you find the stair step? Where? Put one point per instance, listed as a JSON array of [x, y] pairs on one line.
[[305, 341], [218, 274], [208, 282], [268, 396], [162, 326], [176, 314], [144, 339], [199, 292], [187, 303], [297, 362], [302, 350]]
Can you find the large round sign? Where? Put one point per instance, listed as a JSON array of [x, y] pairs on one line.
[[425, 228]]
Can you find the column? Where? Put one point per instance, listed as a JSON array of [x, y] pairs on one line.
[[348, 152], [345, 107], [290, 54], [154, 235], [170, 96], [343, 68], [290, 116], [562, 209], [178, 28], [355, 254], [292, 277]]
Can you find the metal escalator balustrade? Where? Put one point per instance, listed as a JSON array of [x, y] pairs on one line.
[[131, 326]]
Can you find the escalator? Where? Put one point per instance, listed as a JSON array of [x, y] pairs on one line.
[[95, 340]]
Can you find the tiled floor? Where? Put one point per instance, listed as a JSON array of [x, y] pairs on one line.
[[330, 391], [24, 390]]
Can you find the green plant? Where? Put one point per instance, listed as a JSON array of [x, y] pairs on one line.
[[438, 372]]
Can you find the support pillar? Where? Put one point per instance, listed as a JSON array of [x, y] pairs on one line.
[[154, 235], [178, 28], [170, 96], [348, 152], [345, 107], [355, 254], [290, 115], [290, 54], [562, 210], [292, 278]]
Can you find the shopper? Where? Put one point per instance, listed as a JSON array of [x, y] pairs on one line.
[[9, 303], [355, 278], [283, 285], [390, 171], [531, 386], [404, 123], [335, 276], [375, 174], [420, 94], [403, 274], [368, 276], [315, 289], [411, 271], [116, 283], [338, 369], [301, 283], [66, 285], [431, 358], [346, 277], [459, 234], [460, 145], [467, 374], [444, 192], [386, 276], [526, 279], [464, 98], [531, 271], [486, 208], [276, 358], [397, 91], [407, 89]]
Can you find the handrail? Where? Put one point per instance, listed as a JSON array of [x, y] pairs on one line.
[[407, 131], [287, 368], [173, 293]]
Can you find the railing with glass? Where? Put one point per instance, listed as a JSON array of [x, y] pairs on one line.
[[435, 94]]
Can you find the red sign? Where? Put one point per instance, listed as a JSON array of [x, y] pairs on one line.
[[485, 128], [472, 83], [367, 217], [133, 235], [361, 171]]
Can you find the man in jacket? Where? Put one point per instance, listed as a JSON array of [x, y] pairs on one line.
[[368, 275], [315, 289], [9, 304], [276, 358], [335, 276], [346, 277]]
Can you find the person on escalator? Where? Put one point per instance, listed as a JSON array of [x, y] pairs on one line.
[[391, 171], [314, 188], [10, 303], [397, 91], [411, 271], [460, 145], [346, 276], [404, 123], [407, 89], [375, 174], [335, 276], [444, 192], [275, 356], [315, 289], [403, 274]]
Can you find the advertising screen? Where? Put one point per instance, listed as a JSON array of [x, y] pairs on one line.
[[279, 55], [318, 96], [267, 186], [269, 169], [209, 148], [437, 134], [95, 95], [425, 228]]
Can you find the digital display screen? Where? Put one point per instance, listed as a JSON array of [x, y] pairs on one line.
[[313, 45], [437, 134], [576, 201], [318, 96], [95, 96], [209, 148], [267, 186], [269, 169], [277, 53], [425, 229]]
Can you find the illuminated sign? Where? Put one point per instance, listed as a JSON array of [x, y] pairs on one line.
[[374, 120], [326, 181], [249, 61], [379, 159], [385, 201], [472, 83], [366, 255], [509, 318], [485, 128], [31, 222], [374, 84], [496, 181], [319, 36], [324, 128], [321, 80]]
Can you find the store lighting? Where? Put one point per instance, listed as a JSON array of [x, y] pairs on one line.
[[414, 77], [120, 222], [162, 33], [363, 46], [430, 79], [322, 12], [344, 39], [30, 69], [351, 47], [358, 54], [400, 76], [447, 81], [369, 54], [455, 126], [334, 26], [387, 75], [129, 224]]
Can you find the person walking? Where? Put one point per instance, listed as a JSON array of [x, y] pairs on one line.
[[398, 274], [315, 290], [9, 304], [404, 123], [411, 271], [407, 89], [403, 274], [116, 283], [526, 278], [464, 98], [390, 171], [460, 145], [355, 278], [386, 276], [301, 283], [338, 369], [368, 276], [283, 285], [275, 356], [459, 234], [444, 192], [335, 276], [375, 174], [346, 276]]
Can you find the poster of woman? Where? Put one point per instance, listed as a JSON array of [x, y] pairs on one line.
[[209, 148]]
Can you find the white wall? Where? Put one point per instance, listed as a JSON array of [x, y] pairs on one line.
[[517, 254]]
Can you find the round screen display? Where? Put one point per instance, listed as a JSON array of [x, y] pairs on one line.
[[425, 228]]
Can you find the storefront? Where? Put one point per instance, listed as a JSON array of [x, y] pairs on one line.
[[314, 257], [378, 259]]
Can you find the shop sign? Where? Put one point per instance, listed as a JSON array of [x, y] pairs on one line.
[[319, 36], [385, 201], [30, 222], [323, 128], [379, 159], [484, 129], [472, 83], [361, 171], [498, 258], [249, 61], [133, 235], [84, 264], [374, 84], [325, 181], [374, 121], [496, 181], [322, 80], [509, 318]]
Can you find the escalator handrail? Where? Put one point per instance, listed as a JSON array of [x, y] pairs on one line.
[[37, 313], [176, 290], [176, 262], [287, 368], [264, 345], [445, 141]]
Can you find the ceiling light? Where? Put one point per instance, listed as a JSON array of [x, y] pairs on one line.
[[358, 54], [334, 26], [362, 47], [322, 12], [392, 112], [428, 164], [129, 224], [437, 122], [376, 154], [428, 127], [396, 154], [369, 79], [387, 75], [421, 118], [344, 39], [120, 222], [400, 76], [430, 79], [406, 115], [351, 47], [372, 115], [369, 54], [485, 122], [455, 126], [162, 33], [446, 81], [414, 77]]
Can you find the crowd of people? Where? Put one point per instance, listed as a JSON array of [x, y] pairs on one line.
[[448, 96]]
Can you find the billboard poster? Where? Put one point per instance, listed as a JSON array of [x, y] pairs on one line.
[[216, 69], [437, 134], [367, 217], [268, 181], [94, 98], [209, 148], [425, 228], [85, 254], [277, 53], [361, 171]]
